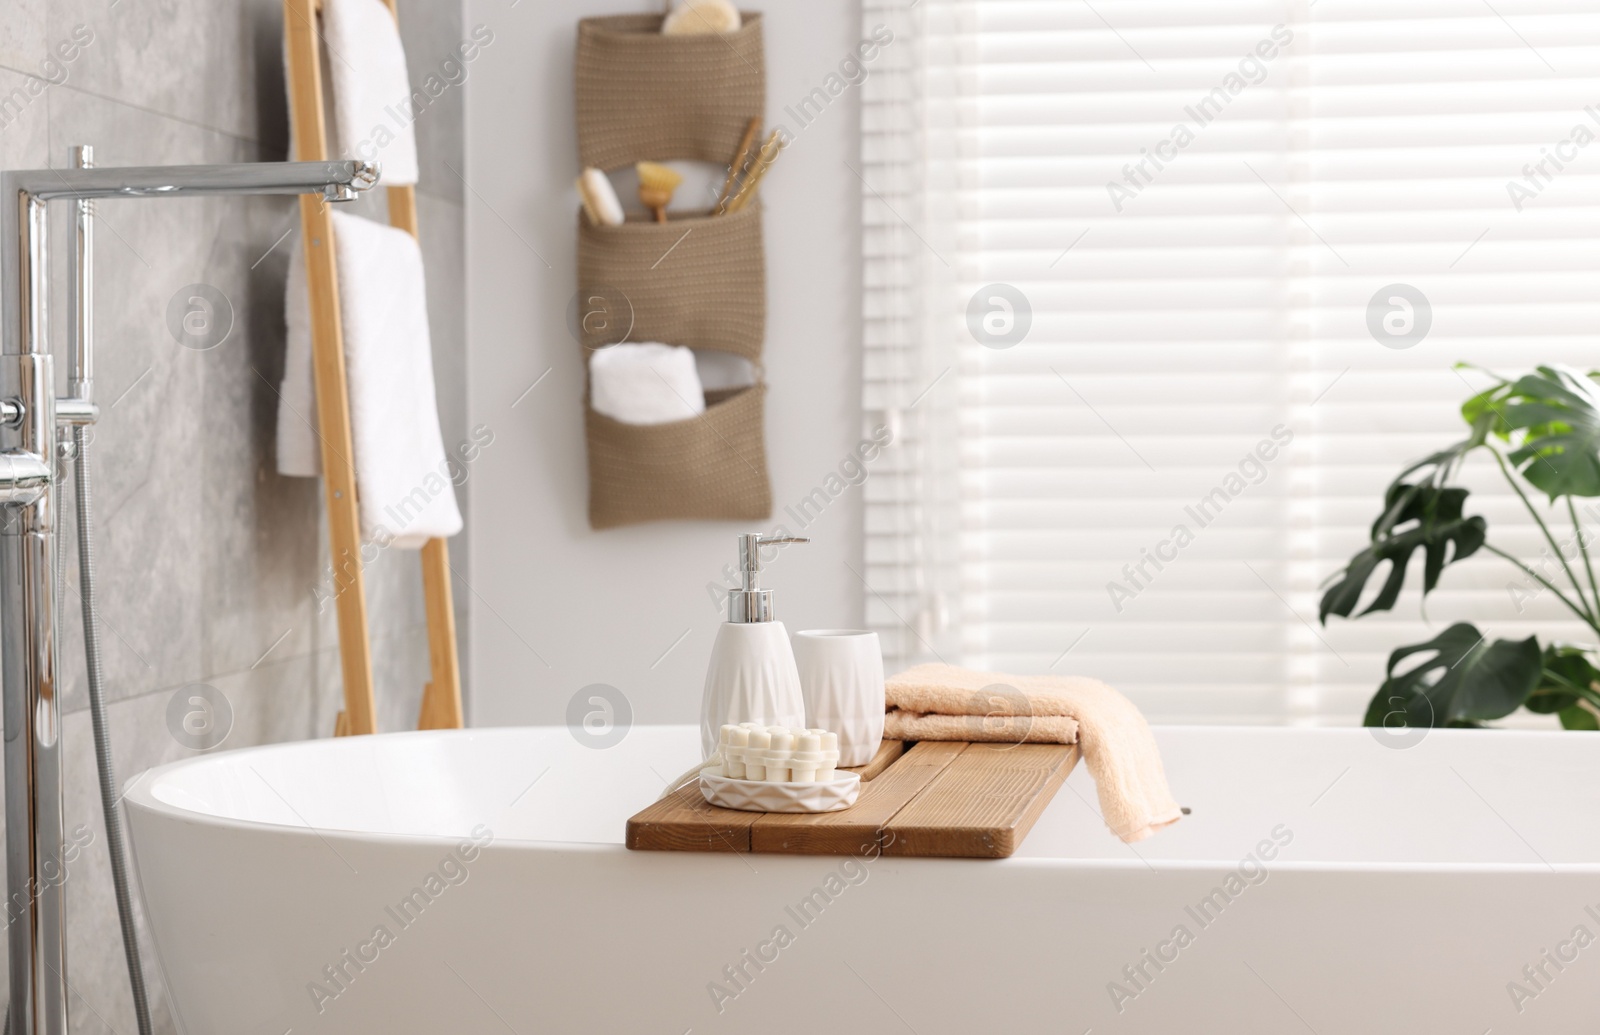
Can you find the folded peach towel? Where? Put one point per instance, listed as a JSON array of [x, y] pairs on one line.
[[942, 702]]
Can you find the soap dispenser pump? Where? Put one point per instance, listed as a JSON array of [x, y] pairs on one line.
[[752, 676]]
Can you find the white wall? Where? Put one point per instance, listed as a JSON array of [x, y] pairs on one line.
[[556, 606]]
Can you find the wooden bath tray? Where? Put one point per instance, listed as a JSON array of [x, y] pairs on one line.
[[973, 801]]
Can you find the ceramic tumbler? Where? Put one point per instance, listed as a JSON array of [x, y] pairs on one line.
[[841, 678]]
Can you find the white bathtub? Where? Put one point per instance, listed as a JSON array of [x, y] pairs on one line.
[[1408, 890]]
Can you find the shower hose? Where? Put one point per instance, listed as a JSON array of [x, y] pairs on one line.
[[109, 802]]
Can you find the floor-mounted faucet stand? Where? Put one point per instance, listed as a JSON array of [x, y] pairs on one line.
[[30, 415]]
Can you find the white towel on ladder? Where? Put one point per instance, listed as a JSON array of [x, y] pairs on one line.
[[372, 109], [403, 476]]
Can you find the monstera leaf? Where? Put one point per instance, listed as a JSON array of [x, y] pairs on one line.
[[1567, 678], [1557, 409], [1414, 517], [1578, 717], [1467, 680]]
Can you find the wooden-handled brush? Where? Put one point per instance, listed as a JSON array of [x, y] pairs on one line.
[[599, 198], [656, 184], [758, 170], [740, 158]]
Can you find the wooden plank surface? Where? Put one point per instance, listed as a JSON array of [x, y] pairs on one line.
[[888, 751], [860, 827], [684, 821], [983, 803], [936, 799]]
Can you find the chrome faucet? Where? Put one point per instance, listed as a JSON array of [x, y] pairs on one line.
[[29, 415]]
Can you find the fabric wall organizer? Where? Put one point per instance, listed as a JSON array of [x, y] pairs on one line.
[[698, 280]]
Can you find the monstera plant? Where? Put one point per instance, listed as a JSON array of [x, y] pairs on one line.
[[1543, 431]]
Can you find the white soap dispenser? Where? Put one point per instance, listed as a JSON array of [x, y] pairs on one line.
[[752, 676]]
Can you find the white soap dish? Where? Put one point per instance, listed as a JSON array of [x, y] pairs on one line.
[[839, 792]]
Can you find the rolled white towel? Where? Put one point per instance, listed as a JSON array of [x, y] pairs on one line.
[[648, 383]]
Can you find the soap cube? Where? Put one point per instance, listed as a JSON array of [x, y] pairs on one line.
[[734, 745], [755, 758], [830, 756], [780, 751], [807, 756]]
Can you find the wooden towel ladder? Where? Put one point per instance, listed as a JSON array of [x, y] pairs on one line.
[[441, 699]]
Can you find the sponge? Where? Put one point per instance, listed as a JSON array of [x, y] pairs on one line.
[[694, 17]]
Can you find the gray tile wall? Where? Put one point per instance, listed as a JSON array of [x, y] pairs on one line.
[[207, 558]]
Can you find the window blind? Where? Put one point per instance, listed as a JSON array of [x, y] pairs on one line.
[[1198, 206]]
